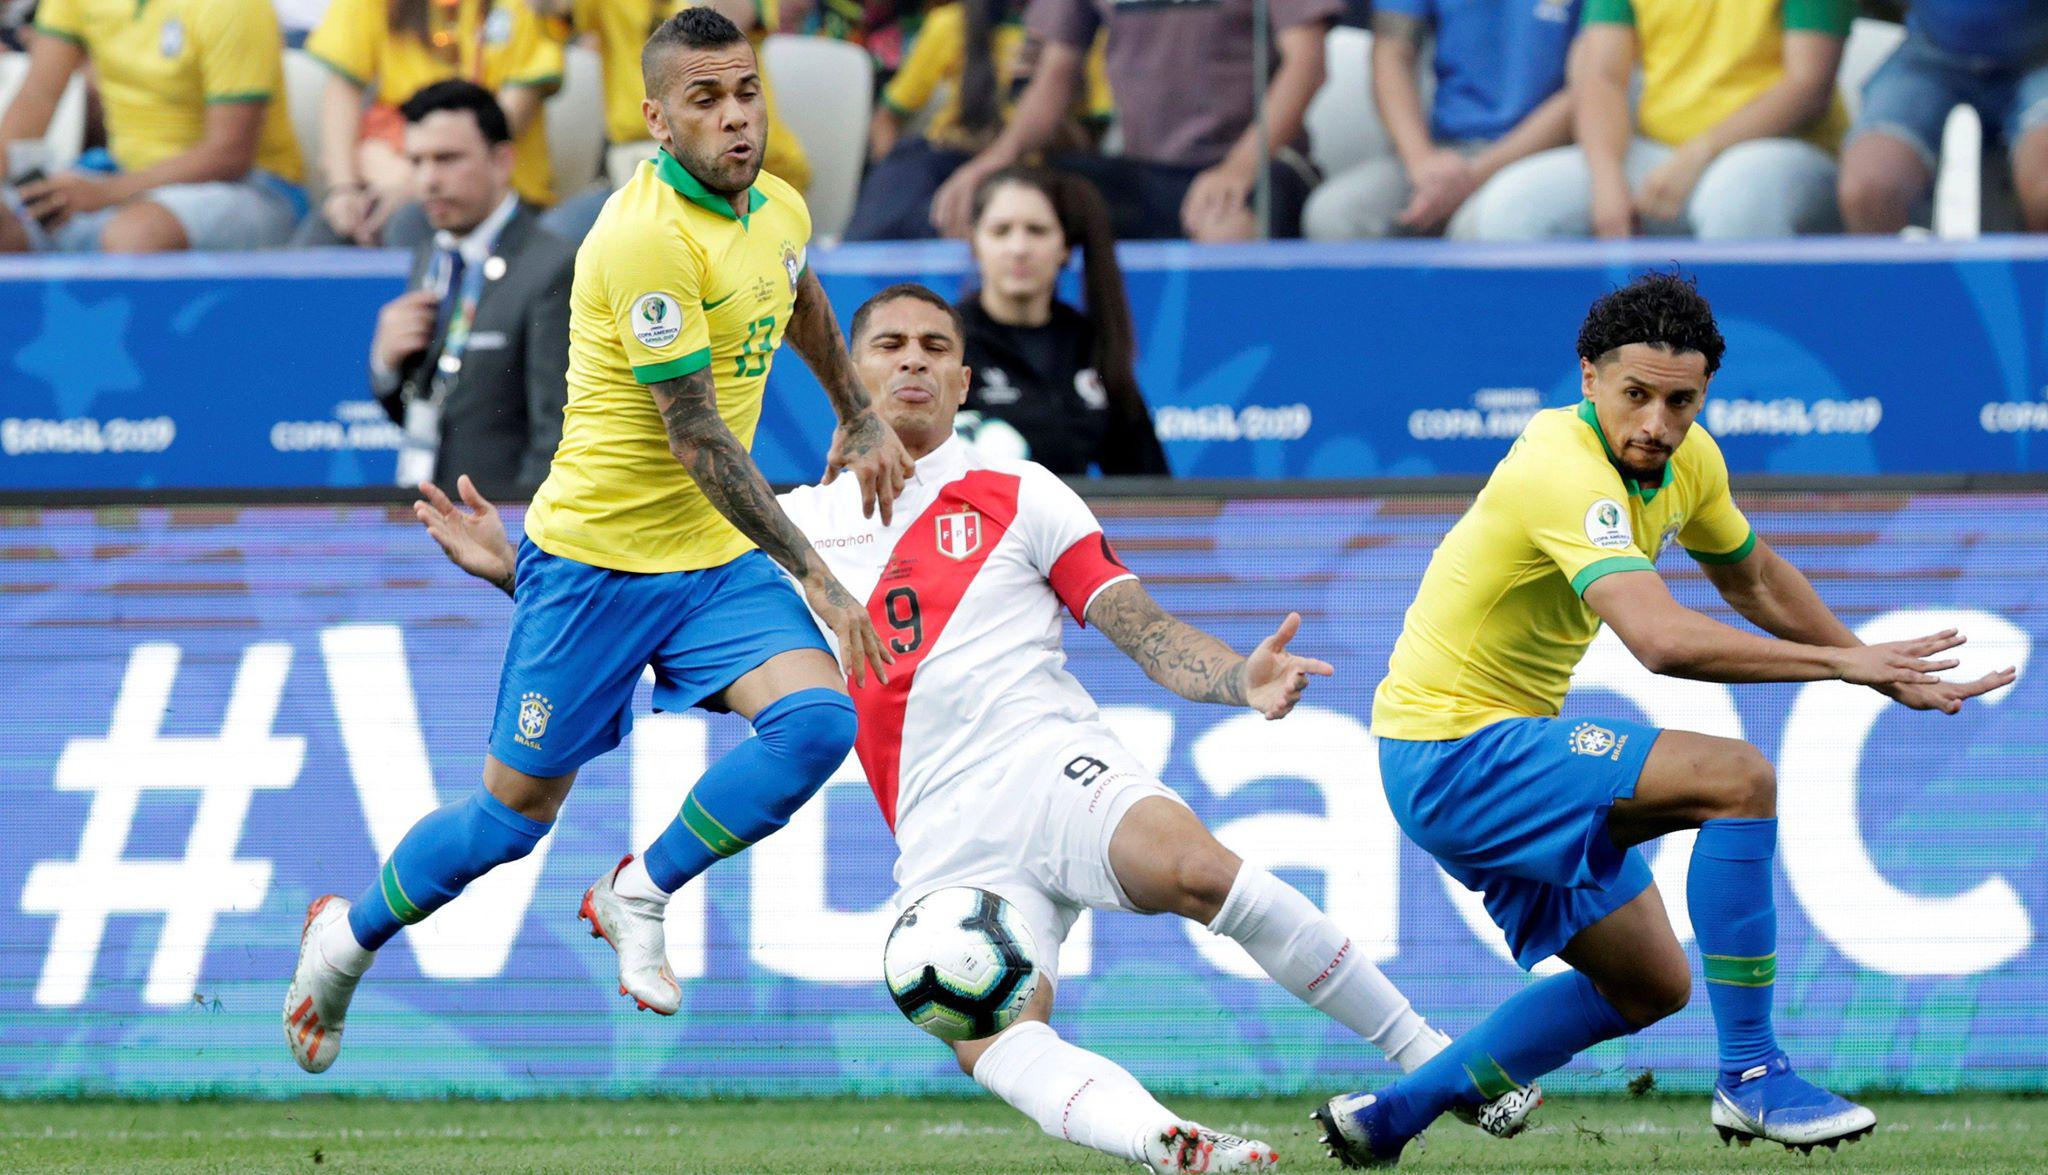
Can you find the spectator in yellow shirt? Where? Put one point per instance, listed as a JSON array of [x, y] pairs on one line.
[[1734, 135], [620, 29], [193, 95], [966, 65], [388, 50]]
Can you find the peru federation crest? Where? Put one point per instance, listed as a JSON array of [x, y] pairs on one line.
[[959, 534]]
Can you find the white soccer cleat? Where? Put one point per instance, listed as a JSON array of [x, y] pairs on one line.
[[1167, 1149], [1504, 1116], [1214, 1151], [317, 1001], [634, 929]]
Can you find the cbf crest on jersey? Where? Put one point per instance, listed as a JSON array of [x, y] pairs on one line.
[[959, 534], [792, 263], [1597, 741]]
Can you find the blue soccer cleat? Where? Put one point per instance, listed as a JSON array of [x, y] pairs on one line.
[[1355, 1129], [1773, 1103]]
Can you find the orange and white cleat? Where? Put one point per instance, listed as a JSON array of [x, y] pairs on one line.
[[1215, 1151], [317, 1001], [634, 929]]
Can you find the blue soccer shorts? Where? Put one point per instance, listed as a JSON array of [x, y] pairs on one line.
[[1518, 811], [582, 636]]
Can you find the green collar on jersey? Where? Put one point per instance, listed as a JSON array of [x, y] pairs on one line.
[[676, 176], [1647, 493]]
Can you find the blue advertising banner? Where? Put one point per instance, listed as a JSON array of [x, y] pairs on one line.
[[1283, 360], [215, 714]]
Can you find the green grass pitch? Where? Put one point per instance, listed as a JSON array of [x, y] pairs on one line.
[[842, 1137]]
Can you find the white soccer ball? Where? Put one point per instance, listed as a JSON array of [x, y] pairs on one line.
[[961, 963]]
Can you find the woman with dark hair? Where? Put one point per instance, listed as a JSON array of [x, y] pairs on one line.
[[967, 62], [1050, 382]]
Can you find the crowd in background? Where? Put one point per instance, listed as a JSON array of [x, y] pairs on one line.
[[1033, 128]]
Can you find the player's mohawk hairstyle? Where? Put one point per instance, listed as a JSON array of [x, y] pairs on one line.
[[1661, 309], [692, 28]]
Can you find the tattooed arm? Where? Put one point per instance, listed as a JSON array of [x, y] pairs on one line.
[[1196, 665], [861, 443], [732, 483]]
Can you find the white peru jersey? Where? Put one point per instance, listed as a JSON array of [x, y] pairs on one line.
[[965, 587]]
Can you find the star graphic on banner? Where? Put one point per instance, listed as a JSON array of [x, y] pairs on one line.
[[82, 350]]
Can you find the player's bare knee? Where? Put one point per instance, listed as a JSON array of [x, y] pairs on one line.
[[1656, 994], [1754, 784], [1202, 881]]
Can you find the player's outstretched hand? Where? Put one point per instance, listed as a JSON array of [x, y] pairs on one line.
[[860, 647], [1900, 662], [474, 541], [871, 451], [1948, 697], [1274, 677]]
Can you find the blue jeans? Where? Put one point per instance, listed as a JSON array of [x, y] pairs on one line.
[[1911, 94]]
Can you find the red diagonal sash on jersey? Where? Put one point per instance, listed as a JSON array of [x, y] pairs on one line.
[[927, 575]]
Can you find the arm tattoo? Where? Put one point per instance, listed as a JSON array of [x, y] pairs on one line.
[[814, 332], [505, 583], [725, 471], [1177, 655]]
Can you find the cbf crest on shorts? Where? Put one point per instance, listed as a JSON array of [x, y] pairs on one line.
[[1596, 741], [534, 712], [959, 534]]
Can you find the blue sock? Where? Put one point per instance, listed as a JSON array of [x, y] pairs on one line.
[[1735, 919], [1536, 1030], [449, 848], [799, 741]]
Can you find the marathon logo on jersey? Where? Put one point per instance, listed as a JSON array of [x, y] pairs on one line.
[[534, 712], [1597, 742], [959, 534], [1607, 525]]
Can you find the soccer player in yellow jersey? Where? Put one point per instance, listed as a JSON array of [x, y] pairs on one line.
[[1542, 815], [654, 543]]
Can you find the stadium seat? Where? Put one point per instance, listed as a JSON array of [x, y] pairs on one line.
[[1870, 42], [575, 117], [305, 81], [66, 136], [825, 89], [1343, 125]]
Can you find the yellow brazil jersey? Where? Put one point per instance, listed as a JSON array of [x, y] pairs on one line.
[[622, 28], [937, 55], [1705, 59], [1498, 624], [160, 63], [498, 43], [668, 282]]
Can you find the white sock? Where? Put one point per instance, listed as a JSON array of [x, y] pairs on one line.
[[1071, 1093], [633, 882], [338, 947], [1309, 955]]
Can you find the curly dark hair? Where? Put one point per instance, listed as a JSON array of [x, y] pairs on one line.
[[1661, 309]]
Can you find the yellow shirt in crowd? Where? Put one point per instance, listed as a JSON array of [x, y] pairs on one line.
[[622, 28], [938, 54], [160, 63], [501, 44], [1498, 623], [668, 282], [1705, 59]]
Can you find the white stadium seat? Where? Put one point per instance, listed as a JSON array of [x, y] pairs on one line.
[[1870, 42], [66, 136], [575, 122], [825, 90], [305, 81]]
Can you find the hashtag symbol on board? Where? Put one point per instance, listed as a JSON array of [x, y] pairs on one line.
[[226, 770]]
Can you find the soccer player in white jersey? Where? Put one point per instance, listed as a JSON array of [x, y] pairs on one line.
[[993, 766]]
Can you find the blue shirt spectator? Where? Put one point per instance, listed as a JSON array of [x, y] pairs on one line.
[[1500, 74], [1991, 55]]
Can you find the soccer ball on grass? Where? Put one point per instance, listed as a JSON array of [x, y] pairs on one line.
[[961, 963]]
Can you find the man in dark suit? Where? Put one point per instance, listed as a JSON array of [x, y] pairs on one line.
[[470, 360]]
